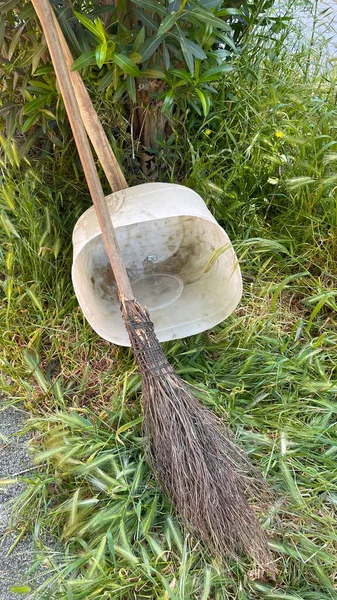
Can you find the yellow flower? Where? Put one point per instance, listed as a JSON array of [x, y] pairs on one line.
[[208, 131], [279, 134]]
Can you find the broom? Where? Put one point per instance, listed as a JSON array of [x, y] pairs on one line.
[[210, 481]]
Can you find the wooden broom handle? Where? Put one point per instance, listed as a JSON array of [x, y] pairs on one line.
[[46, 17], [90, 118]]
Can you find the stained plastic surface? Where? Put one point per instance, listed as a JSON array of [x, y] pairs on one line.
[[181, 263]]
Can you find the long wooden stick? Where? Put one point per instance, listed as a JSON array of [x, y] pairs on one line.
[[90, 118], [46, 17]]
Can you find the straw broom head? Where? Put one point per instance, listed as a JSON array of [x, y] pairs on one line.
[[207, 478]]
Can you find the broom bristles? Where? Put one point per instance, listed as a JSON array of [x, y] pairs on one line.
[[209, 480]]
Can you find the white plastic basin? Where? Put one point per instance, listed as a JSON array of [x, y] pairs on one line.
[[180, 262]]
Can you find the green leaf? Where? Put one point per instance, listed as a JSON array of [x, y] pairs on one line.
[[196, 50], [150, 46], [69, 34], [228, 40], [100, 32], [153, 74], [151, 6], [86, 59], [20, 589], [3, 19], [205, 101], [44, 70], [127, 426], [131, 87], [181, 74], [139, 41], [215, 73], [207, 17], [105, 81], [28, 123], [135, 57], [34, 105], [166, 56], [39, 86], [188, 56], [15, 41], [220, 55], [168, 101], [6, 6], [146, 19], [208, 4], [110, 50], [168, 22], [225, 12], [120, 91], [100, 54], [127, 65], [88, 24]]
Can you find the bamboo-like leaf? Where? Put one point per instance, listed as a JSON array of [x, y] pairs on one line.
[[100, 54], [151, 6], [131, 88], [168, 100], [181, 74], [150, 46], [135, 57], [15, 40], [207, 17], [34, 105], [228, 40], [214, 73], [100, 30], [153, 74], [28, 123], [146, 20], [208, 4], [166, 56], [126, 64], [86, 59], [106, 80], [168, 22], [139, 41], [3, 18], [7, 6], [188, 56], [122, 88], [69, 34], [195, 49], [89, 24]]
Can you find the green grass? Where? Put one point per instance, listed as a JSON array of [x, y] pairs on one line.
[[265, 163]]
